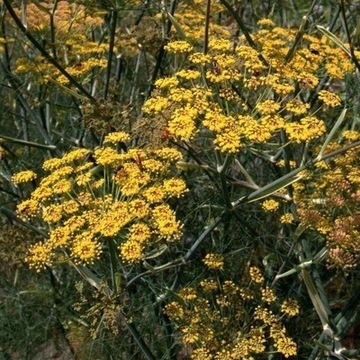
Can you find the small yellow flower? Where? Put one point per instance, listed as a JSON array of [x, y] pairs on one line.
[[152, 165], [287, 218], [23, 176], [228, 141], [267, 295], [28, 208], [200, 58], [52, 164], [188, 74], [178, 47], [174, 187], [214, 261], [83, 179], [59, 237], [209, 285], [139, 232], [75, 155], [330, 99], [53, 213], [98, 184], [187, 293], [116, 137], [268, 107], [351, 135], [297, 107], [131, 251], [307, 129], [174, 310], [165, 222], [61, 187], [154, 194], [138, 208], [270, 205], [107, 156], [85, 248], [285, 345], [290, 307], [169, 82], [39, 256], [256, 275], [70, 206], [155, 105], [84, 167], [220, 45], [168, 154], [182, 123]]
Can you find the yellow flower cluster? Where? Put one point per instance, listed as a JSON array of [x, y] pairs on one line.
[[270, 205], [24, 176], [290, 307], [178, 47], [332, 206], [256, 275], [120, 195], [74, 49], [227, 329], [283, 343], [200, 99], [214, 261], [330, 99], [191, 18], [287, 218]]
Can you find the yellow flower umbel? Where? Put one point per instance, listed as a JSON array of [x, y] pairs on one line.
[[332, 205], [120, 195], [215, 321], [270, 205], [214, 261], [330, 99], [204, 99], [24, 176]]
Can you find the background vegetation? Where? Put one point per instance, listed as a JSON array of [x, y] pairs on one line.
[[179, 179]]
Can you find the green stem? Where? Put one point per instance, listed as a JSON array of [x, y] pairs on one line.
[[297, 40], [114, 262], [207, 23], [114, 16], [223, 180], [138, 339]]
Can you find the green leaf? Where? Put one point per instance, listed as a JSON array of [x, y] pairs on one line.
[[248, 177], [333, 131], [273, 187], [321, 308], [91, 278]]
